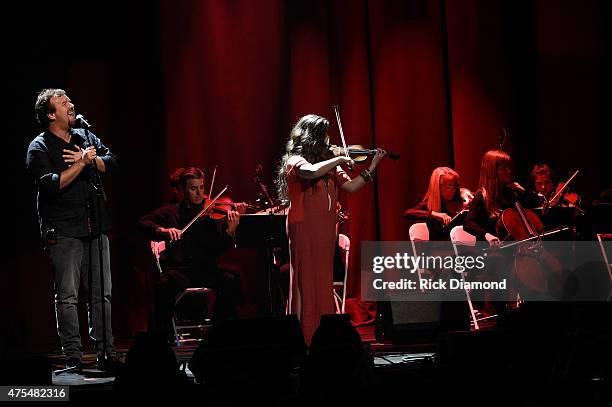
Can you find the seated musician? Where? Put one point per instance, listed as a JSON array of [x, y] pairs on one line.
[[443, 207], [190, 258], [541, 177], [544, 184], [497, 191], [443, 201]]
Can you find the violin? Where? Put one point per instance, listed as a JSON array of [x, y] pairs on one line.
[[359, 153], [208, 204], [457, 208], [562, 197], [220, 207], [565, 199]]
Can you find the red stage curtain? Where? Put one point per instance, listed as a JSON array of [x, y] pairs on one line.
[[435, 81], [239, 74]]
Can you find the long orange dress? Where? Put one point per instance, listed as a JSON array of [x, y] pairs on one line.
[[311, 228]]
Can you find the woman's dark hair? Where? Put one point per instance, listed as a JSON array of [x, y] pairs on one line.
[[307, 139], [489, 182]]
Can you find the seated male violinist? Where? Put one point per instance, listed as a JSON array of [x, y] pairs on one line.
[[190, 258], [543, 184]]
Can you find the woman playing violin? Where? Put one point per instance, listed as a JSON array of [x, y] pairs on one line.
[[443, 201], [310, 178]]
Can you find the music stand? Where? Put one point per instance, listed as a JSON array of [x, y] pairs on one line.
[[557, 216], [263, 230]]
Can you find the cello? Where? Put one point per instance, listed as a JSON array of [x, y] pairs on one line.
[[534, 267]]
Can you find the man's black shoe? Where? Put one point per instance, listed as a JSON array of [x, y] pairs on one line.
[[110, 365], [74, 363]]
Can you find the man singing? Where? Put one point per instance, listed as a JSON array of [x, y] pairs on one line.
[[62, 162]]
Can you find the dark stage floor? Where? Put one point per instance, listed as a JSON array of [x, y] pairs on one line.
[[388, 358], [523, 359], [385, 354]]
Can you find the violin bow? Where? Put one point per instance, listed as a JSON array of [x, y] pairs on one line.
[[211, 203], [537, 236], [212, 182], [341, 132]]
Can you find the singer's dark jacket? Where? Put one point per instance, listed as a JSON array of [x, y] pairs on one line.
[[77, 210]]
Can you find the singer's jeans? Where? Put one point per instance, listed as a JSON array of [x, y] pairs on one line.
[[70, 259]]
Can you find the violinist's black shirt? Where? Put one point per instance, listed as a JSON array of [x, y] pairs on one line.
[[198, 247]]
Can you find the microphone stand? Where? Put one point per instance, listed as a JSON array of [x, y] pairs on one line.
[[100, 194]]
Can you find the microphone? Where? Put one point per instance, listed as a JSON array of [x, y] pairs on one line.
[[82, 121]]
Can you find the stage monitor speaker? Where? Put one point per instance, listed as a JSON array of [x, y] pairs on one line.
[[259, 331], [249, 349], [418, 322], [335, 330]]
